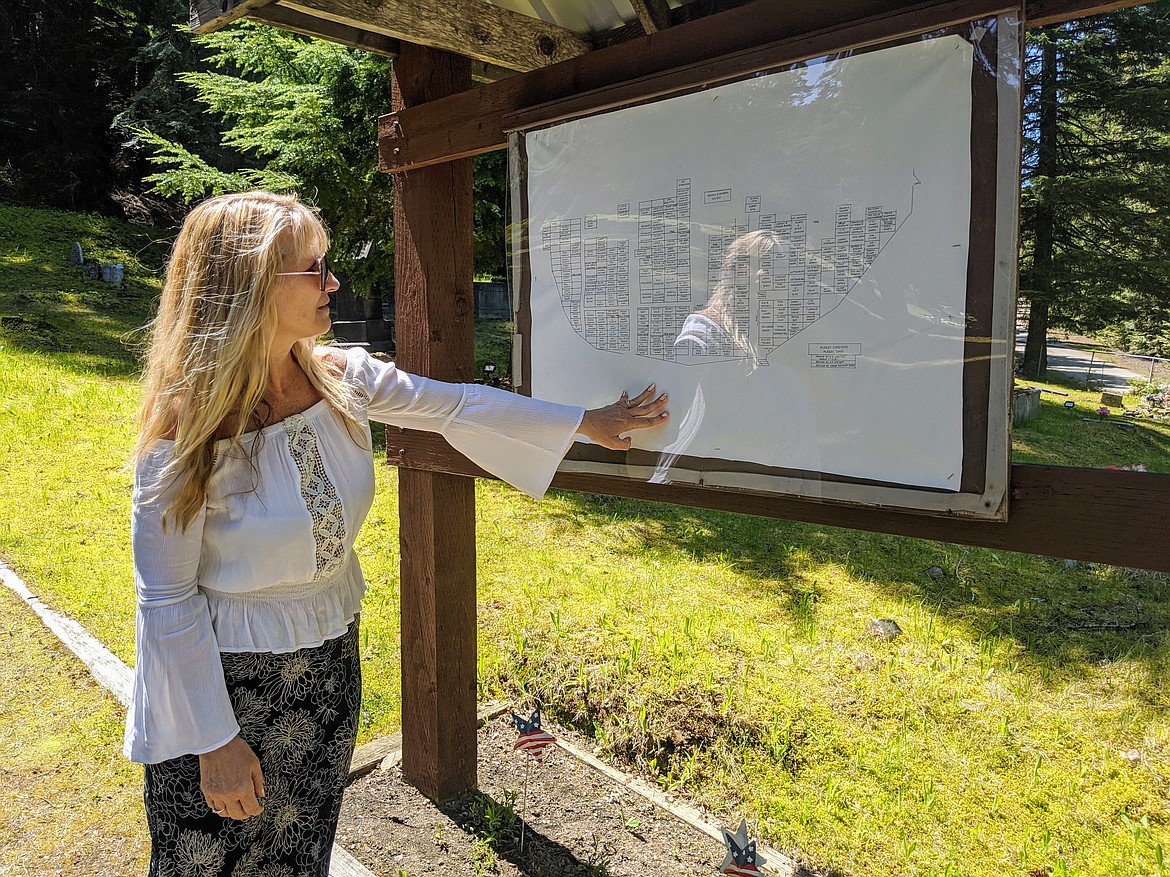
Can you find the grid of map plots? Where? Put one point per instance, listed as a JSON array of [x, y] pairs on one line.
[[664, 247], [786, 271], [795, 278], [658, 327], [770, 292], [855, 245], [561, 238], [607, 273], [780, 320], [608, 330]]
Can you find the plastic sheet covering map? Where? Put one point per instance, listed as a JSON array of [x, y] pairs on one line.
[[786, 256]]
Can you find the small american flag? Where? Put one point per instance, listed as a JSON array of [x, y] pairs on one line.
[[742, 859], [533, 739]]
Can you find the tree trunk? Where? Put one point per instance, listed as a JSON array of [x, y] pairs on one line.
[[1035, 361]]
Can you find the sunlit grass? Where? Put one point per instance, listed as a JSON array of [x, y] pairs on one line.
[[1020, 724], [1079, 436], [69, 802]]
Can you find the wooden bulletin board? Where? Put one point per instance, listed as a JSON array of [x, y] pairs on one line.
[[814, 256]]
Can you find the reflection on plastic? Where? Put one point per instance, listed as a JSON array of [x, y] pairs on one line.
[[687, 431]]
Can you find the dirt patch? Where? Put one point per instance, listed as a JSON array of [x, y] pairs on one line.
[[576, 822]]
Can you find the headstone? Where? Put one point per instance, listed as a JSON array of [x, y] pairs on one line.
[[1026, 405], [1113, 400], [493, 301], [113, 273], [76, 256]]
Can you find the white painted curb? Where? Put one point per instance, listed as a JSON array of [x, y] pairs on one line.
[[106, 667]]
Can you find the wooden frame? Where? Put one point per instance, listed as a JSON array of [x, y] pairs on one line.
[[433, 264], [473, 122], [982, 492], [1048, 504], [480, 31]]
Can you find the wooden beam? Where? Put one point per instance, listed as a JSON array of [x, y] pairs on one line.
[[388, 750], [736, 65], [653, 15], [344, 864], [690, 11], [471, 28], [278, 15], [210, 15], [1039, 13], [1093, 515], [433, 274], [472, 123], [484, 72]]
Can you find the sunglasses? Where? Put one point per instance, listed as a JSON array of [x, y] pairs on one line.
[[320, 268]]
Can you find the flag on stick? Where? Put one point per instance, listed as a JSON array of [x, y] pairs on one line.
[[742, 859], [533, 739]]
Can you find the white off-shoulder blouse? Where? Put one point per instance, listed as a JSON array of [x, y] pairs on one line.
[[268, 563]]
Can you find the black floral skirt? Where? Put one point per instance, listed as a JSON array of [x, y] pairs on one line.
[[299, 713]]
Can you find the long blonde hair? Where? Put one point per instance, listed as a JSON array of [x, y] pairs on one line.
[[720, 305], [209, 344]]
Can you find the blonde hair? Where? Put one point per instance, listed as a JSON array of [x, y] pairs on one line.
[[209, 343], [721, 303]]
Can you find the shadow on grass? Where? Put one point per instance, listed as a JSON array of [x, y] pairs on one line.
[[99, 332], [1063, 615], [50, 308]]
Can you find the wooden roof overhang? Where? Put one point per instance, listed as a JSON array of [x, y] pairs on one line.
[[502, 41]]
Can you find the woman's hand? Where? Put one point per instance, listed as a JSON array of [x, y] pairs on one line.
[[606, 425], [231, 780]]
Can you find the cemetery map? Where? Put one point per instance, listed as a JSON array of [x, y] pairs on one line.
[[683, 280], [786, 256]]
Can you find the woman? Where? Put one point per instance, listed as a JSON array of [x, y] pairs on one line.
[[253, 473]]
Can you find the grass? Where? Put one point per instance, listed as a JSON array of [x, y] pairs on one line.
[[1021, 724], [729, 658], [69, 802], [1078, 436]]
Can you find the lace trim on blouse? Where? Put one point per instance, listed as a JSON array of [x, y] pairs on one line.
[[320, 497]]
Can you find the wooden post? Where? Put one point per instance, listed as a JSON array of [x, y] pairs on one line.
[[435, 298]]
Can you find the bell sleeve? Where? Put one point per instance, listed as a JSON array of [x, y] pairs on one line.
[[516, 438], [179, 703]]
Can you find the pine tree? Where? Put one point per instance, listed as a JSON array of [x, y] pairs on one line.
[[300, 114], [1095, 203], [162, 103]]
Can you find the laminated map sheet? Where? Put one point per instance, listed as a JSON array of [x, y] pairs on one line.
[[787, 256]]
